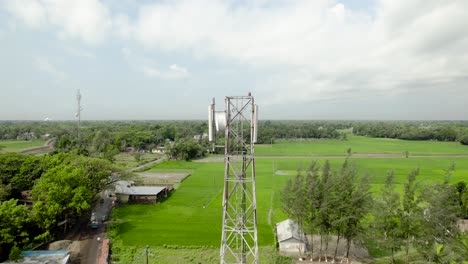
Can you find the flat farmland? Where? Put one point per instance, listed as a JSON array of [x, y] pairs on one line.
[[192, 216], [18, 145], [360, 145]]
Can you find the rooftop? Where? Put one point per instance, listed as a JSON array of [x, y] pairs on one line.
[[287, 229], [129, 188], [43, 257]]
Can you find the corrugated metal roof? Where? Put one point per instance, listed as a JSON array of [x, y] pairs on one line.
[[287, 229], [43, 257], [128, 188]]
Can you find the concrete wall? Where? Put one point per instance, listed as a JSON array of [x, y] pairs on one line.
[[291, 246]]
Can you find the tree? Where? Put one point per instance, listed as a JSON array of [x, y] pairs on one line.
[[137, 156], [324, 223], [464, 139], [438, 235], [184, 149], [31, 169], [64, 144], [312, 196], [14, 224], [67, 190], [387, 217], [410, 222], [5, 191], [349, 151], [294, 202], [10, 165], [357, 199]]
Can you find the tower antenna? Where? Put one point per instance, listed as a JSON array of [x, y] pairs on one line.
[[239, 228], [78, 110]]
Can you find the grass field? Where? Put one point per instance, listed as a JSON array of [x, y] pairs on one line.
[[191, 217], [127, 160], [360, 145], [18, 145]]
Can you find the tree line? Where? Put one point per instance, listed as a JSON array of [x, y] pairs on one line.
[[105, 139], [62, 189], [339, 203], [415, 130]]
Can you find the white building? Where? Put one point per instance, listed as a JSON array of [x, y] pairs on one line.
[[290, 239]]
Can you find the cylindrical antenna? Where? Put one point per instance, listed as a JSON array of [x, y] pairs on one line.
[[211, 116]]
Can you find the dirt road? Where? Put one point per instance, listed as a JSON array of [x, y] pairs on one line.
[[356, 155]]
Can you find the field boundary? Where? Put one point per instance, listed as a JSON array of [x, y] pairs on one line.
[[357, 155]]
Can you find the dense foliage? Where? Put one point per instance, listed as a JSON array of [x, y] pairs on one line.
[[337, 203], [415, 130], [63, 188], [328, 202]]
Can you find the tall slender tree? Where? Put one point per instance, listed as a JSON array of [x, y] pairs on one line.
[[438, 235], [410, 222], [387, 217], [312, 196]]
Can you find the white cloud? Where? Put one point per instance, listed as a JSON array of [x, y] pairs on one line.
[[173, 72], [317, 49], [126, 52], [46, 66], [87, 20], [340, 50], [31, 12], [80, 53], [122, 26]]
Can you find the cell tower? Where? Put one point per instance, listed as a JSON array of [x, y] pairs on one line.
[[78, 114], [239, 229], [78, 109]]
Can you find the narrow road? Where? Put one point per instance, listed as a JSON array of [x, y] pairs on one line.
[[91, 246], [48, 145], [147, 164]]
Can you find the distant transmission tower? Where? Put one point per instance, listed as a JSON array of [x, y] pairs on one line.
[[78, 110], [239, 231]]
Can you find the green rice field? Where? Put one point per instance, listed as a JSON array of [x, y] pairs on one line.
[[192, 216], [18, 145], [360, 145]]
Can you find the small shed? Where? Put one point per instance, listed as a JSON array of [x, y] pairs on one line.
[[463, 225], [159, 149], [290, 239], [126, 191], [43, 257]]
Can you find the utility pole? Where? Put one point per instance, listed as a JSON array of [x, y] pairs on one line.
[[78, 112], [239, 228]]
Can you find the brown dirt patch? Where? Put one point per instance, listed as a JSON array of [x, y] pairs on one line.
[[162, 178]]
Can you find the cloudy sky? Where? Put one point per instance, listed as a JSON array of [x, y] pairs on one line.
[[302, 59]]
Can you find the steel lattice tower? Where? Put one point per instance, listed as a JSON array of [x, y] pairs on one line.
[[239, 230]]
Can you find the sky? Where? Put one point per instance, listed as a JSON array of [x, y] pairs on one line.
[[301, 59]]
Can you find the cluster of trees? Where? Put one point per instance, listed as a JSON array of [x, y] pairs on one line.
[[186, 149], [428, 130], [270, 130], [327, 202], [339, 203], [107, 139], [63, 188]]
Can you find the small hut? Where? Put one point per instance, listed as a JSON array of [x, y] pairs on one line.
[[290, 239], [126, 191]]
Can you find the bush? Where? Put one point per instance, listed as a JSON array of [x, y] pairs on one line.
[[464, 139]]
